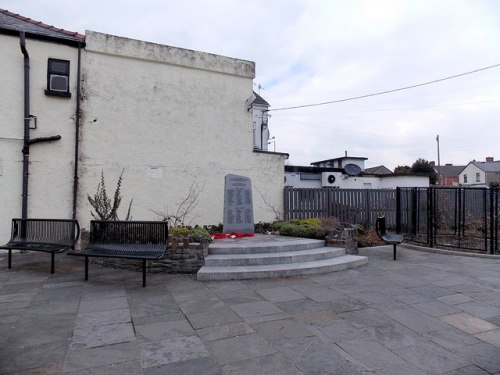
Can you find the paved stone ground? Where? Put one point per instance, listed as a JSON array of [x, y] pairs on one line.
[[423, 314]]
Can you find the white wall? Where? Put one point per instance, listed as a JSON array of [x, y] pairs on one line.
[[170, 118], [470, 170], [260, 131], [358, 182], [51, 164]]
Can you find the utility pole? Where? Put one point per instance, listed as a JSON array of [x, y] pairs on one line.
[[439, 161]]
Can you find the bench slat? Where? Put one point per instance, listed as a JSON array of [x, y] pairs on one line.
[[142, 240]]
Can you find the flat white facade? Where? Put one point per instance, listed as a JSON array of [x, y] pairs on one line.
[[51, 169], [170, 118], [345, 181]]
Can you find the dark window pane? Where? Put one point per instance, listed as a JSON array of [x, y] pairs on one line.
[[61, 67]]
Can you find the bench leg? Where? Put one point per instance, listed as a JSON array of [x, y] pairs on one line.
[[144, 273], [86, 268], [52, 256], [10, 258], [394, 252]]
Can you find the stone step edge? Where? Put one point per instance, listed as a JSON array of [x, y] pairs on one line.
[[265, 247], [281, 270], [285, 257]]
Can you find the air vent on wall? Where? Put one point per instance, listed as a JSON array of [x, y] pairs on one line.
[[58, 83]]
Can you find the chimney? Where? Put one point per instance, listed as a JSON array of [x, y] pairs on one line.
[[489, 159], [432, 163], [449, 164]]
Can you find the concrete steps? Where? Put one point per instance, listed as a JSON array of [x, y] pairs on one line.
[[272, 257]]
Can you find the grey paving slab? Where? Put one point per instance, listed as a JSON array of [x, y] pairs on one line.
[[431, 357], [295, 347], [433, 291], [480, 309], [393, 335], [275, 364], [468, 370], [401, 369], [152, 305], [491, 337], [213, 318], [372, 354], [416, 320], [103, 304], [316, 324], [241, 348], [224, 331], [79, 359], [468, 323], [238, 296], [251, 309], [454, 299], [494, 320], [378, 299], [197, 366], [451, 338], [103, 317], [366, 318], [485, 356], [163, 330], [317, 292], [101, 335], [341, 330], [173, 350], [436, 308], [280, 294], [21, 359], [202, 303], [322, 358], [278, 329], [122, 368]]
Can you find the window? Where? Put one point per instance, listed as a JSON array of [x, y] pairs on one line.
[[58, 78], [465, 178], [478, 177]]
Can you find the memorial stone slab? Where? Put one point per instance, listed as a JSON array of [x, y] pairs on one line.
[[238, 204]]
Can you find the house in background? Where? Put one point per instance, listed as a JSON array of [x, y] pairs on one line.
[[448, 174], [259, 109], [480, 174], [349, 172], [173, 120]]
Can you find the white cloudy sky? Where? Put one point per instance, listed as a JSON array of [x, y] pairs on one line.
[[310, 51]]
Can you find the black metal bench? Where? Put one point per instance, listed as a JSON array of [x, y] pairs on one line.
[[393, 239], [47, 235], [141, 240]]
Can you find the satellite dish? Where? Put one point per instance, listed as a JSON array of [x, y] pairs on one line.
[[331, 179], [352, 169]]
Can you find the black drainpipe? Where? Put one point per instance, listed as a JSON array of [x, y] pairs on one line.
[[77, 132], [26, 147], [27, 117]]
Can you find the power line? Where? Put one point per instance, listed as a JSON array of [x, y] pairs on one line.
[[389, 109], [387, 91]]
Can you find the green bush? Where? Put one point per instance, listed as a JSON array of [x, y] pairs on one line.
[[194, 234], [307, 228]]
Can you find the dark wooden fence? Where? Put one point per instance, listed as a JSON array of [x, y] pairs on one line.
[[355, 206], [460, 218]]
